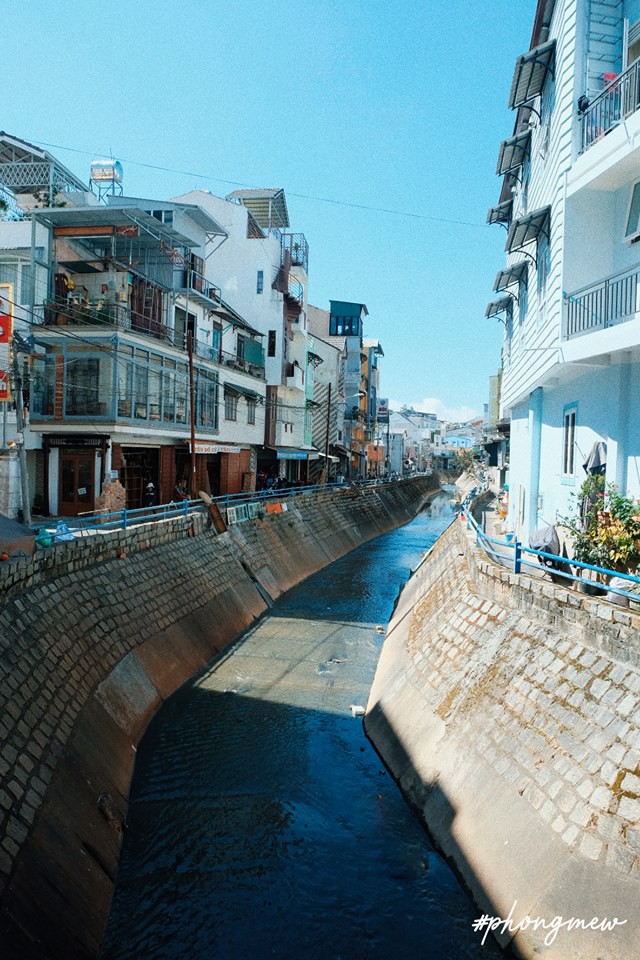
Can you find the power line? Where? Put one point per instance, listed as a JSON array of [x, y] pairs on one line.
[[302, 196]]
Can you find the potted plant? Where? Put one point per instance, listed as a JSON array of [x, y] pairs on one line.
[[604, 527]]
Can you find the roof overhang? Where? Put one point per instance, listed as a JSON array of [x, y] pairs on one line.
[[531, 72], [268, 206], [496, 307], [243, 391], [225, 312], [513, 152], [501, 213], [25, 168], [79, 222], [527, 229], [516, 273]]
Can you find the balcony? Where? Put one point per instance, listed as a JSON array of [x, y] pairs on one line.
[[601, 305], [60, 313], [294, 376], [198, 288], [296, 247], [619, 99]]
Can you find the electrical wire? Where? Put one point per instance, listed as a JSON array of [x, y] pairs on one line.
[[302, 196]]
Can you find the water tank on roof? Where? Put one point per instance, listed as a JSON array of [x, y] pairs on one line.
[[106, 171]]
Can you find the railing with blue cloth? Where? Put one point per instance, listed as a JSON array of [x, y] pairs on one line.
[[513, 554]]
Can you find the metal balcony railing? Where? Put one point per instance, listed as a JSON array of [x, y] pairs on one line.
[[295, 244], [619, 99], [60, 312], [604, 304]]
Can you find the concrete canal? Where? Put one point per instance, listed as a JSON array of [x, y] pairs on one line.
[[262, 823]]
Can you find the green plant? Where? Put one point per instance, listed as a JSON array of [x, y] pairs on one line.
[[604, 526]]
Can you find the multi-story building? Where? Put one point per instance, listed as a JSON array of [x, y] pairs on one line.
[[139, 370], [570, 202], [262, 271]]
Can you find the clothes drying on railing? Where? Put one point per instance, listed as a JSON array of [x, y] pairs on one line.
[[547, 540]]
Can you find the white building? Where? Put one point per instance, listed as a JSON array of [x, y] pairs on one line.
[[568, 293], [262, 272]]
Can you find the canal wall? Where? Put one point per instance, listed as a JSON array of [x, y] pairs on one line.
[[94, 635], [508, 709]]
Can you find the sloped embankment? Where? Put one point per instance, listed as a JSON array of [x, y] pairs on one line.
[[507, 708], [94, 635]]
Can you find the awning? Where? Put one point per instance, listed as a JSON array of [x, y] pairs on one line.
[[339, 448], [318, 453], [513, 152], [496, 307], [516, 273], [293, 453], [243, 392], [527, 229], [501, 213], [225, 312], [530, 73]]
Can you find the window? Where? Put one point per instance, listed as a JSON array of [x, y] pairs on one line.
[[260, 281], [230, 406], [169, 391], [87, 386], [569, 442], [207, 400], [345, 326], [523, 302], [141, 385], [251, 410], [43, 385], [182, 391], [544, 264], [271, 346], [632, 231]]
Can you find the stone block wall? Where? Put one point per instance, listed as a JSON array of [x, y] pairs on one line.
[[508, 708], [94, 635]]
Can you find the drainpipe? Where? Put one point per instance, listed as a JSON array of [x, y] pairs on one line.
[[535, 444]]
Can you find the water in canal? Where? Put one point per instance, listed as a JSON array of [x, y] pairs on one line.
[[262, 823]]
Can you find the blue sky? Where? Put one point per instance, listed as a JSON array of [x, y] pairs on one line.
[[355, 107]]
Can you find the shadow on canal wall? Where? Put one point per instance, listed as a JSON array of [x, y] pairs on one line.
[[507, 709], [94, 636]]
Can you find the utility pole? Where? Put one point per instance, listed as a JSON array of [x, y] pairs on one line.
[[192, 398], [22, 455], [326, 438]]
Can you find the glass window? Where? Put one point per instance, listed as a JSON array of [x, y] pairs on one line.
[[43, 386], [271, 346], [88, 386], [169, 391], [251, 410], [260, 281], [182, 392], [230, 406], [141, 385], [569, 442], [124, 380], [155, 387], [632, 230], [544, 264], [207, 400]]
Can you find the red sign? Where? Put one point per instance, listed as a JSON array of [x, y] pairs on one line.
[[6, 332]]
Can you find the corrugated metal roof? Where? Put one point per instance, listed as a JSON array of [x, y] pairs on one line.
[[268, 206]]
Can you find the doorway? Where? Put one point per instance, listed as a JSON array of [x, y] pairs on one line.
[[77, 483]]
